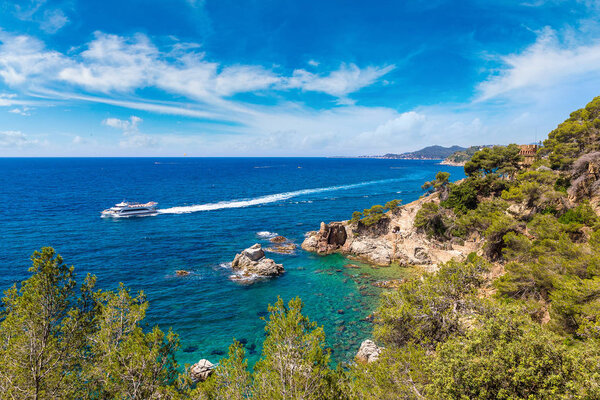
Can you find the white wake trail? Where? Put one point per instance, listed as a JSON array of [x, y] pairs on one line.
[[272, 198]]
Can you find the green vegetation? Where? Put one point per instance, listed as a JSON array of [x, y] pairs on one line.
[[439, 184], [576, 136], [63, 340], [371, 216], [462, 156], [500, 160]]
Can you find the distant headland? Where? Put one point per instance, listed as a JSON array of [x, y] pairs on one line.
[[428, 153]]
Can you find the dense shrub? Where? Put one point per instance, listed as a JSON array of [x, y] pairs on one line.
[[432, 220], [371, 216], [429, 311]]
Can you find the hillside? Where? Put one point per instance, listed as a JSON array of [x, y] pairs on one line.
[[460, 157]]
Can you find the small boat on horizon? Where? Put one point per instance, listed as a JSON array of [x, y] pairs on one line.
[[131, 209]]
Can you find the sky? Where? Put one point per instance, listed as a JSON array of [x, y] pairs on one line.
[[289, 78]]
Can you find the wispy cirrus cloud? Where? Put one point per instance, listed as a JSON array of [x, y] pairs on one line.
[[50, 19], [549, 62], [15, 139]]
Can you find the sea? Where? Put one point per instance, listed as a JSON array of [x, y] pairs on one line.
[[209, 210]]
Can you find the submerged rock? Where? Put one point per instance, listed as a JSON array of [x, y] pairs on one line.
[[390, 284], [252, 263], [279, 239], [285, 248], [200, 371], [368, 352], [181, 272]]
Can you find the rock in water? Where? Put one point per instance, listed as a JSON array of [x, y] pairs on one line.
[[279, 239], [368, 352], [254, 253], [328, 239], [182, 272], [252, 263], [200, 371]]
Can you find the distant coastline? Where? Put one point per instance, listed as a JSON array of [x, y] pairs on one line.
[[453, 163], [434, 152], [386, 157]]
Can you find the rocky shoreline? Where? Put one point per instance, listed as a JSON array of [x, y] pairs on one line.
[[392, 240], [453, 163]]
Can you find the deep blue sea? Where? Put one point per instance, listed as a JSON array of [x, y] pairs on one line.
[[211, 208]]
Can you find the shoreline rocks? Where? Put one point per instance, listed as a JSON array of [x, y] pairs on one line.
[[389, 284], [281, 245], [453, 163], [368, 352], [391, 240], [252, 263], [200, 371]]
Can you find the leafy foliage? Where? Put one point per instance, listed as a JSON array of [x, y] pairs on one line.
[[502, 160], [576, 136], [371, 216], [439, 184], [432, 220], [61, 340]]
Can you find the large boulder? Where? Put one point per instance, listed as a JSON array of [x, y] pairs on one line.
[[254, 253], [328, 239], [252, 263], [200, 371], [368, 352]]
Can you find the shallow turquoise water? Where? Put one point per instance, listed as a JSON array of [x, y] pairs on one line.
[[213, 208]]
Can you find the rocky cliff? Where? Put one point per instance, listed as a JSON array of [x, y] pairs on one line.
[[393, 239]]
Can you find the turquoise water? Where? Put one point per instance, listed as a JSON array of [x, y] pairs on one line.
[[211, 208]]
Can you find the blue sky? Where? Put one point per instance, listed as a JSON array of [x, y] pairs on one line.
[[288, 78]]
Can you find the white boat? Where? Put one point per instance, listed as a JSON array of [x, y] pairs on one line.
[[129, 209]]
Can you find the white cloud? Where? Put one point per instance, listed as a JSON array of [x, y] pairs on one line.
[[24, 59], [124, 64], [14, 139], [127, 126], [132, 137], [349, 78], [545, 64], [21, 111], [50, 20], [53, 21], [313, 63]]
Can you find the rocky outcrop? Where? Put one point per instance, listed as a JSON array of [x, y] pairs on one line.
[[200, 371], [585, 180], [368, 352], [328, 239], [279, 239], [393, 239], [252, 263], [281, 245]]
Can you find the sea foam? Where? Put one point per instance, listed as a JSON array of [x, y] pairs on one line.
[[271, 198]]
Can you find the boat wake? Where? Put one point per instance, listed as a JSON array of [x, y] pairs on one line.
[[271, 198]]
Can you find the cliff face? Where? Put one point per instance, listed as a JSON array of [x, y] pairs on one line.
[[391, 240], [585, 180]]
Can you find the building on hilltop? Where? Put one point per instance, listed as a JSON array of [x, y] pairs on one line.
[[528, 152]]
